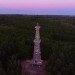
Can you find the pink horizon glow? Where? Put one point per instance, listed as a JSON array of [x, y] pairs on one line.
[[37, 4]]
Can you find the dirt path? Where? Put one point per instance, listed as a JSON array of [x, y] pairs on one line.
[[28, 69]]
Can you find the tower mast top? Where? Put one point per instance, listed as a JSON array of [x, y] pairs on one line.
[[37, 24]]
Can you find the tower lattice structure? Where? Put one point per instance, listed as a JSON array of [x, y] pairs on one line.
[[37, 50]]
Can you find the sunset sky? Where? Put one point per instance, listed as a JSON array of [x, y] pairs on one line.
[[38, 7]]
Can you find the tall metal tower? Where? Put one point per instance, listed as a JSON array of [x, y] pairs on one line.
[[36, 66], [37, 52]]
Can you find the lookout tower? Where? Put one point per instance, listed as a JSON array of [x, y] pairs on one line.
[[37, 50], [36, 65]]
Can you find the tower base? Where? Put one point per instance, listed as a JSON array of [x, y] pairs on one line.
[[37, 62], [29, 68]]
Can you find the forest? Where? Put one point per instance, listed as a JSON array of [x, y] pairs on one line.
[[17, 33]]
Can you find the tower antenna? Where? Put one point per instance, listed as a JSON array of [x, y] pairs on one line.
[[37, 18]]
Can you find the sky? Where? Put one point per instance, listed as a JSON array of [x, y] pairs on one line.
[[38, 7]]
